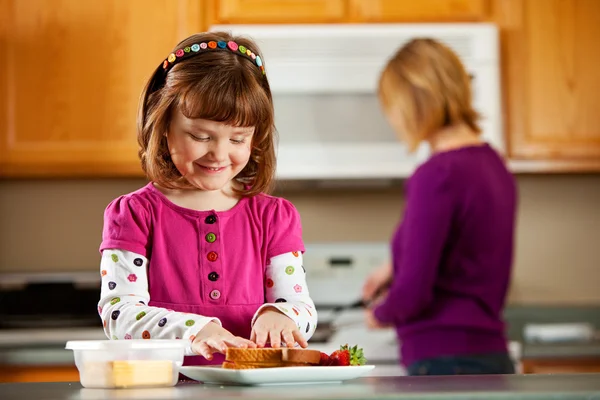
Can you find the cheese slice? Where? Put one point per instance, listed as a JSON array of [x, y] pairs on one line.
[[127, 374]]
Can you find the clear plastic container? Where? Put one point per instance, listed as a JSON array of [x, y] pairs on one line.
[[128, 363]]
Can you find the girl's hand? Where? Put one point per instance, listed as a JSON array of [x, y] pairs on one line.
[[275, 327], [213, 338]]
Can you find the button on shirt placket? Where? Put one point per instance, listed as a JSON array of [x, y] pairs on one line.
[[212, 258]]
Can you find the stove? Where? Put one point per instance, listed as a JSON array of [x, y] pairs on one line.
[[48, 301], [336, 273]]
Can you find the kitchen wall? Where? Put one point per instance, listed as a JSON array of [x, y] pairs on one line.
[[49, 226]]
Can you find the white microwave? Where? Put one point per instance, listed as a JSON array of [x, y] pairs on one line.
[[324, 79]]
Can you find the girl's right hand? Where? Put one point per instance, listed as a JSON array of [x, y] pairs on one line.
[[213, 338], [377, 282]]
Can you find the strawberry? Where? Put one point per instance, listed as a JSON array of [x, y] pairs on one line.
[[339, 358], [346, 356], [324, 359]]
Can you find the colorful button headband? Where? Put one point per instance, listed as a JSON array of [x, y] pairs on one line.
[[212, 45]]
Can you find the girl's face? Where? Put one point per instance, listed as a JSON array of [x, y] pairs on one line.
[[207, 153]]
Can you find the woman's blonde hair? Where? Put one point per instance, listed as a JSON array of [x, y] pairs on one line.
[[426, 84], [216, 85]]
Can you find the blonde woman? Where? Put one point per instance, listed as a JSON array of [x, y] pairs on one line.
[[453, 249]]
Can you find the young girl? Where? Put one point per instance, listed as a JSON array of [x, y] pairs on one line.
[[452, 252], [201, 253]]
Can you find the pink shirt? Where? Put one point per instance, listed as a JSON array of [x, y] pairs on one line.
[[204, 262]]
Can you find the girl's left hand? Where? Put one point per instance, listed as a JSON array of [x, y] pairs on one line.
[[275, 327]]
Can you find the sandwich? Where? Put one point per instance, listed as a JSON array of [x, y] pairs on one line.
[[239, 358]]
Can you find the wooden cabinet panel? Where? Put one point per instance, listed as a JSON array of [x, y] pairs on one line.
[[72, 72], [50, 373], [418, 11], [561, 366], [550, 57], [277, 11]]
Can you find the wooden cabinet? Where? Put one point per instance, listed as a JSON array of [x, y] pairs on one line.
[[339, 11], [277, 11], [50, 373], [72, 72], [418, 11], [560, 365], [550, 58]]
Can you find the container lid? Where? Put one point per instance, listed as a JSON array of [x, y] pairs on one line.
[[150, 344]]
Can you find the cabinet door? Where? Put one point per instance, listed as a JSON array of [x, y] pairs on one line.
[[418, 11], [278, 11], [551, 61], [36, 373], [561, 366], [72, 72]]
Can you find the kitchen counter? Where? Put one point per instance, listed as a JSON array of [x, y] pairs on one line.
[[531, 387]]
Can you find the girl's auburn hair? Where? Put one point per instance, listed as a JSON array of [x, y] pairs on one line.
[[216, 85]]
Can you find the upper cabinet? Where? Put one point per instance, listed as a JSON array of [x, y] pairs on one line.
[[340, 11], [551, 70], [72, 72], [418, 11], [277, 11]]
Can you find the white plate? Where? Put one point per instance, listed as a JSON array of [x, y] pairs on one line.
[[275, 376]]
